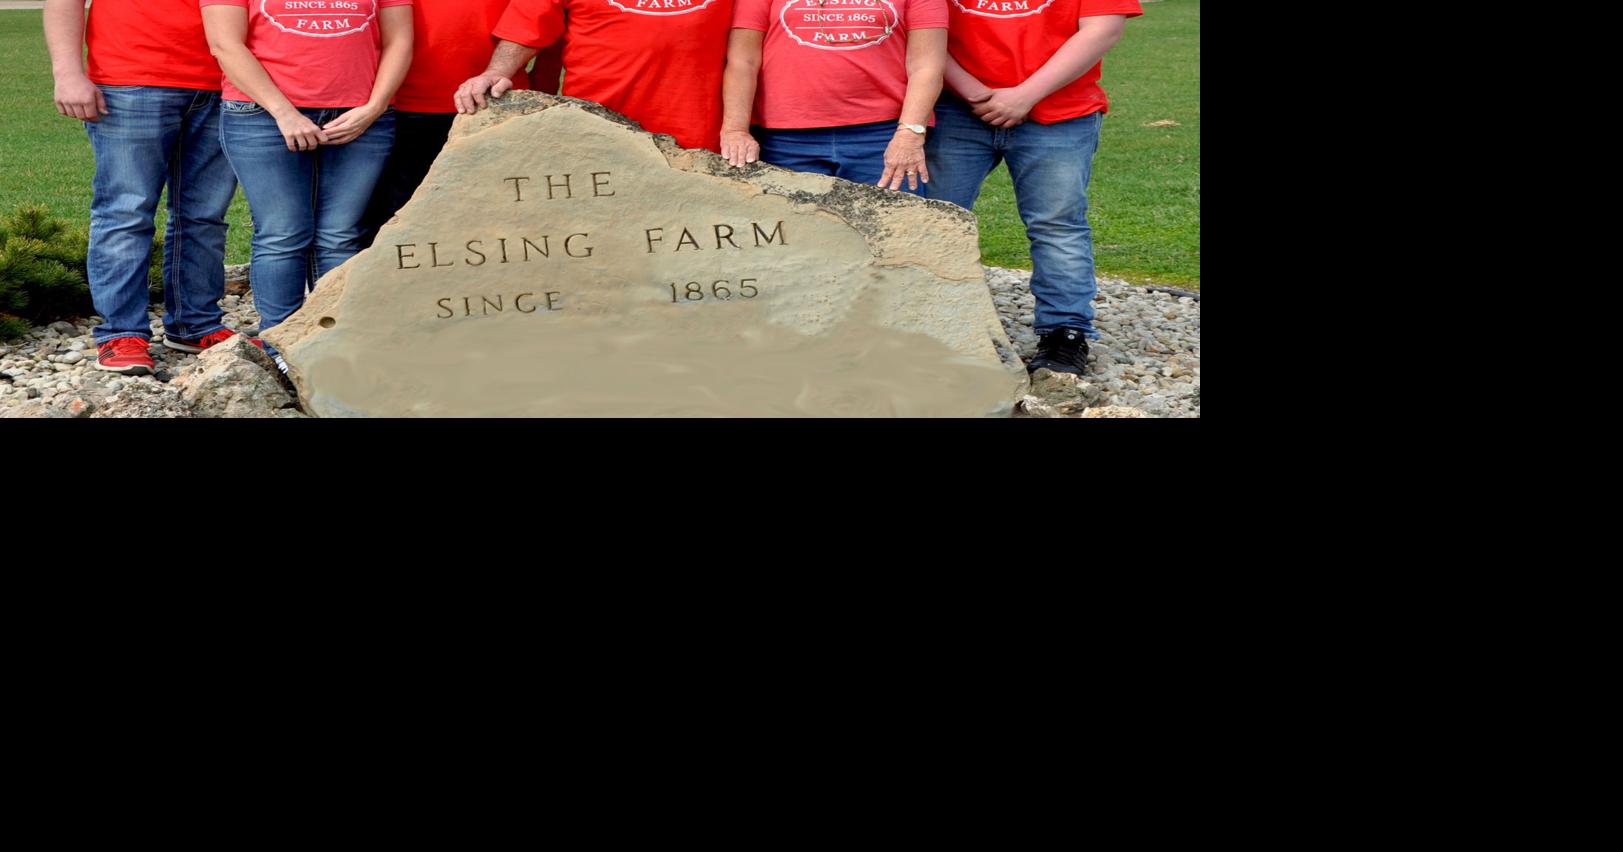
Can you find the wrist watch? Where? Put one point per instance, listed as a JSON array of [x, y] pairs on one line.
[[916, 128]]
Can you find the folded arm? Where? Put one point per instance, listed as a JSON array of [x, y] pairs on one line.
[[227, 29], [395, 30], [1095, 36]]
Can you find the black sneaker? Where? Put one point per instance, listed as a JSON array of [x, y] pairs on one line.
[[1062, 350]]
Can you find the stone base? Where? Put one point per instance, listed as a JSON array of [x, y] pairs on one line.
[[558, 261]]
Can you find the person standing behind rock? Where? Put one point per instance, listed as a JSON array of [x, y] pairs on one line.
[[150, 103], [307, 125], [656, 62], [837, 87], [1024, 89], [452, 42]]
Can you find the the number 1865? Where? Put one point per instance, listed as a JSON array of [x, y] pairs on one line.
[[693, 291]]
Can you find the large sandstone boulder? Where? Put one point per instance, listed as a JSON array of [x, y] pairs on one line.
[[558, 261]]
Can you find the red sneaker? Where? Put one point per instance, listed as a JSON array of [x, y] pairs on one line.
[[213, 338], [131, 356]]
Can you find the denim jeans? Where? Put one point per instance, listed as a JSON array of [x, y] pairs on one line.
[[1051, 165], [152, 137], [418, 139], [307, 206], [855, 152]]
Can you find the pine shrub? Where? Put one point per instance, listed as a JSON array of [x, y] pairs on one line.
[[42, 271]]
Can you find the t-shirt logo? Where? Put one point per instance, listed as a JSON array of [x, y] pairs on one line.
[[660, 7], [320, 18], [1003, 8], [839, 24]]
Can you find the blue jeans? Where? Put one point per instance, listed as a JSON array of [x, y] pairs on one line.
[[307, 206], [152, 137], [855, 152], [1051, 165]]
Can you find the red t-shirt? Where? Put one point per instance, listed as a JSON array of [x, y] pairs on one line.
[[832, 63], [320, 53], [1003, 42], [150, 43], [453, 43], [657, 62]]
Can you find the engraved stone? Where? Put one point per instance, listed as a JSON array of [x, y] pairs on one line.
[[558, 261]]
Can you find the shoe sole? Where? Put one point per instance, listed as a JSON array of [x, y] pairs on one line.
[[1032, 368], [181, 347], [131, 370]]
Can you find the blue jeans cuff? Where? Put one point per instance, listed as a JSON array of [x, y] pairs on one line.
[[100, 340], [1088, 333], [207, 330]]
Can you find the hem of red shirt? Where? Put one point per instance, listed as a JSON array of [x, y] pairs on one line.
[[159, 82], [1067, 115], [768, 27], [438, 106], [844, 122], [245, 99]]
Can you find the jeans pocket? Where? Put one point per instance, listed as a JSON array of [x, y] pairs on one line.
[[241, 107]]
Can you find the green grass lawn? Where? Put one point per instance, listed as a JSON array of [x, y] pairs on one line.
[[1145, 198]]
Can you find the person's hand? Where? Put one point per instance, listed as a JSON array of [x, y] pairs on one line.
[[300, 133], [349, 126], [739, 148], [472, 95], [904, 160], [79, 98], [1005, 107]]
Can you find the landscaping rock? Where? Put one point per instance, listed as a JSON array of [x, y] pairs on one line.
[[233, 379], [34, 410], [139, 399], [1112, 411], [236, 280]]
